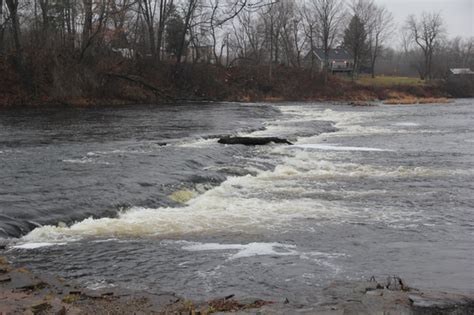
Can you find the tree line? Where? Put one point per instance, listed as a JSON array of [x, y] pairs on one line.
[[222, 32]]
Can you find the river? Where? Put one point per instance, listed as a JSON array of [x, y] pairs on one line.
[[144, 197]]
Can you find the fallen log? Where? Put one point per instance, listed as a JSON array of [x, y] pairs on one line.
[[140, 81], [252, 141]]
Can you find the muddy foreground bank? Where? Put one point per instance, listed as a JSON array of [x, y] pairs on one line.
[[22, 292]]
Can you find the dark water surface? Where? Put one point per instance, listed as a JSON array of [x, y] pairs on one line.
[[96, 195], [61, 164]]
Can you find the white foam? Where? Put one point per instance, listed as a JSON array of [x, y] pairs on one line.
[[36, 245], [197, 143], [247, 250], [221, 209], [85, 161], [335, 147], [351, 122], [134, 149], [308, 164], [407, 124], [267, 201], [98, 285], [268, 249], [113, 152], [348, 123]]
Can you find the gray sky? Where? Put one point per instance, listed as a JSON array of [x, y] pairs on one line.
[[457, 14]]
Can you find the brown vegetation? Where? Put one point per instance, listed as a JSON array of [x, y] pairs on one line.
[[60, 79], [149, 51], [409, 100]]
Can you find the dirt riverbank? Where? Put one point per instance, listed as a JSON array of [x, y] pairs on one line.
[[22, 292], [123, 82]]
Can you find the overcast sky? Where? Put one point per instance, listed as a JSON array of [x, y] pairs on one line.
[[457, 14]]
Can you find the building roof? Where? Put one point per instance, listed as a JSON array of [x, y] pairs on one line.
[[461, 71], [334, 54]]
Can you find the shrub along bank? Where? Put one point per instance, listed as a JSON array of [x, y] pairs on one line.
[[62, 79]]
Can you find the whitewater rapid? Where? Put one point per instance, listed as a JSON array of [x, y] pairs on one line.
[[267, 200], [384, 190]]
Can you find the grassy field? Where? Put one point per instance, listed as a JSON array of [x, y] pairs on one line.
[[389, 81]]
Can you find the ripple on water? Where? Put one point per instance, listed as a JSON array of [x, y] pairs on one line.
[[295, 215]]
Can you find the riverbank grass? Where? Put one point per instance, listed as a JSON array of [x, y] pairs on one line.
[[387, 81], [409, 100]]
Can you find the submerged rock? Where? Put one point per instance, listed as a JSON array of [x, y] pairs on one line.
[[252, 141]]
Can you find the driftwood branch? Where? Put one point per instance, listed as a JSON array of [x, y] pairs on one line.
[[140, 81]]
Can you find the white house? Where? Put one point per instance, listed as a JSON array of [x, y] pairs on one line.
[[340, 61]]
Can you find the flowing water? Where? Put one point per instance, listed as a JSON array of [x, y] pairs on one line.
[[145, 198]]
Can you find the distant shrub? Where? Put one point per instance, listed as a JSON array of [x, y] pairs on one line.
[[462, 86]]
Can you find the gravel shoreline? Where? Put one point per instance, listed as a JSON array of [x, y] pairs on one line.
[[22, 292]]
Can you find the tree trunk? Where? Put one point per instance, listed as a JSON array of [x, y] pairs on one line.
[[67, 18], [356, 66], [161, 28], [312, 50], [375, 55], [427, 66], [44, 5], [189, 14], [270, 73], [87, 28], [372, 68], [430, 62], [326, 66], [12, 8], [19, 59], [213, 34], [2, 35], [2, 28], [151, 35]]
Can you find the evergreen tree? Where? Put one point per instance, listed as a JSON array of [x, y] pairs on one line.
[[355, 41], [174, 32]]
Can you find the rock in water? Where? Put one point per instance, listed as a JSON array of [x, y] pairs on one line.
[[253, 140]]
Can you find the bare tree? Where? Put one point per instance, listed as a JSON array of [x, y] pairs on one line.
[[21, 67], [12, 6], [378, 24], [289, 37], [454, 53], [328, 15], [272, 34], [44, 5], [148, 11], [379, 33], [425, 32], [87, 26], [223, 11], [188, 13], [165, 8], [249, 37], [309, 27], [93, 28], [2, 26], [119, 15]]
